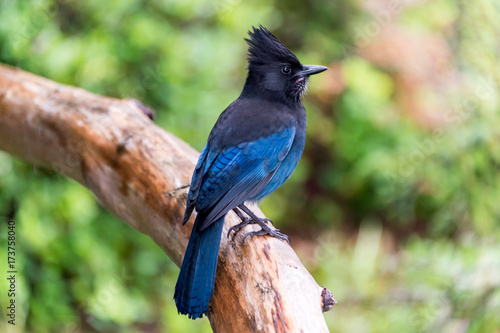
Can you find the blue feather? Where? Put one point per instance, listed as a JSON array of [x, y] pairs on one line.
[[241, 172], [221, 181], [195, 285]]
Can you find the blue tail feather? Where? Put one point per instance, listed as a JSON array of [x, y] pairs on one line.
[[195, 284]]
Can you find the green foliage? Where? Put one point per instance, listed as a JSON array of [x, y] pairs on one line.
[[399, 175], [429, 286]]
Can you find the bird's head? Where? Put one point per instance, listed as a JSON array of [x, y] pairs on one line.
[[273, 69]]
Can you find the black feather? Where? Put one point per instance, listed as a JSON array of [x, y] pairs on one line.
[[264, 48]]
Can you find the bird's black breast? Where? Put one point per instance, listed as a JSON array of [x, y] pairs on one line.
[[249, 119]]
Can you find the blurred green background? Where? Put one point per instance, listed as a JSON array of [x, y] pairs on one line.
[[394, 206]]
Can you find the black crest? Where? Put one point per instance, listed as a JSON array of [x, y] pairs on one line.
[[264, 48]]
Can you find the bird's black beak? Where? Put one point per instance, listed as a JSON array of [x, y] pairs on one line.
[[311, 70]]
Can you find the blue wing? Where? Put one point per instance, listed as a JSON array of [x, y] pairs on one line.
[[225, 179], [194, 189]]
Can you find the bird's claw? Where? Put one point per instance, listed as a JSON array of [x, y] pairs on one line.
[[274, 233], [238, 226], [265, 230], [244, 222], [253, 219]]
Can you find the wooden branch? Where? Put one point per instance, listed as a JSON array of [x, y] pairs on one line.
[[141, 173]]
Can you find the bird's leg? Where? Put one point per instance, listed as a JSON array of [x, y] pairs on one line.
[[244, 221], [265, 230], [242, 217]]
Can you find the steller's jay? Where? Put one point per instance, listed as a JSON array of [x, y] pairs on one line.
[[252, 150]]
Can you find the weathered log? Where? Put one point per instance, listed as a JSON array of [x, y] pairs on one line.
[[141, 173]]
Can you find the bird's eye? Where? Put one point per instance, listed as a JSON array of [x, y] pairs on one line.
[[286, 70]]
